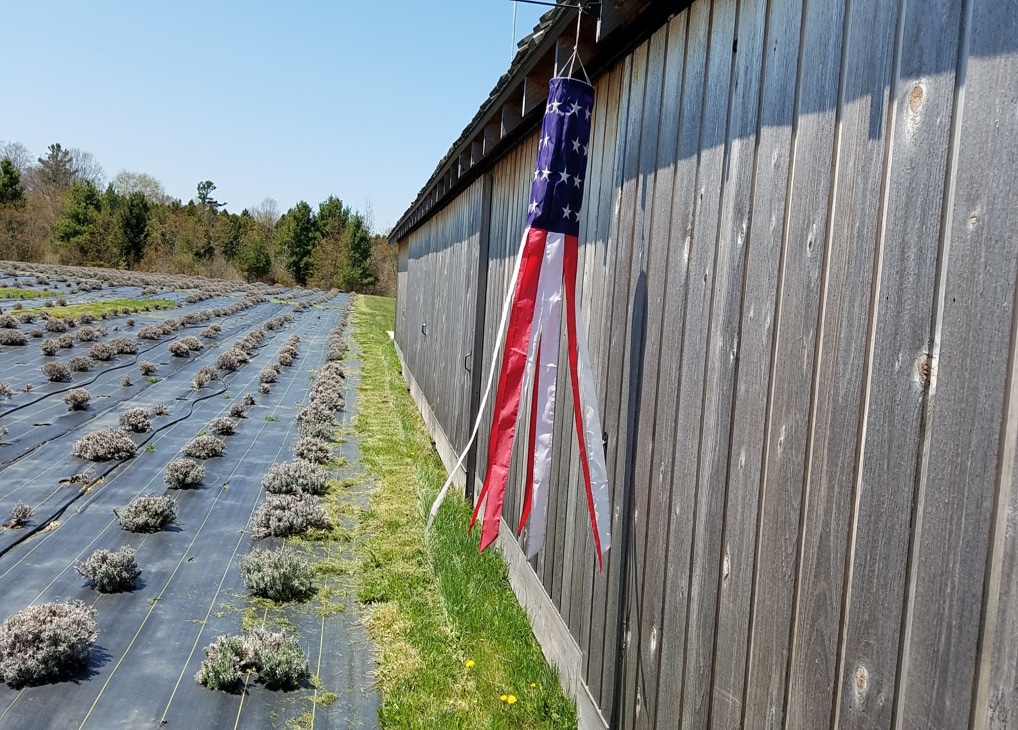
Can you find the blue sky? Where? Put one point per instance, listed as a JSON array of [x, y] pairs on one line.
[[287, 100]]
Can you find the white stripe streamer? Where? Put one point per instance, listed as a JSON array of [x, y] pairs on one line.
[[550, 297], [592, 429], [499, 337]]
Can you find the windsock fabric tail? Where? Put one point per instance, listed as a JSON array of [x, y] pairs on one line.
[[544, 282]]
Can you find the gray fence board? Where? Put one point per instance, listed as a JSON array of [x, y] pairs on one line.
[[615, 409], [708, 361], [788, 204], [878, 544], [755, 362], [643, 152], [601, 199], [997, 699], [686, 269], [607, 209], [805, 241], [657, 155], [996, 703], [970, 370], [838, 383]]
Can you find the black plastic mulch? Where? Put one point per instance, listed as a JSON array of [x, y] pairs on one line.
[[190, 591]]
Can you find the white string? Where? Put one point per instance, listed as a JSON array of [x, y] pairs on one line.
[[506, 307], [575, 57]]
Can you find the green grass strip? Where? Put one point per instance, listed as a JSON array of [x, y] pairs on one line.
[[106, 306], [455, 649], [9, 292]]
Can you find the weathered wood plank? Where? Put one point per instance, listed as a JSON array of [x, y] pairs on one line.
[[997, 698], [974, 322], [639, 383], [736, 245], [688, 267], [477, 374], [618, 388], [641, 654], [871, 35], [597, 273], [803, 249], [612, 190], [714, 344], [923, 98]]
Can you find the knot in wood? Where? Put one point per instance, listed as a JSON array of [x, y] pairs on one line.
[[924, 366]]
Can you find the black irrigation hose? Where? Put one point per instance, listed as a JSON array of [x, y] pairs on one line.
[[102, 475], [150, 435], [84, 383]]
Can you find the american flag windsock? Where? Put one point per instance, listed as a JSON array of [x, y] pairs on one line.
[[546, 269]]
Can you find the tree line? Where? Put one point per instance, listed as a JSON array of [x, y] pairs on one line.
[[59, 208]]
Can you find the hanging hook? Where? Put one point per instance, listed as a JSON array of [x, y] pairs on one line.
[[575, 57], [590, 8]]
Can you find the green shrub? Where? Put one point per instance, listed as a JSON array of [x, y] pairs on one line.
[[312, 449], [222, 667], [205, 446], [277, 658], [105, 445], [19, 515], [292, 477], [148, 513], [183, 473], [110, 570], [46, 642], [282, 575], [281, 515]]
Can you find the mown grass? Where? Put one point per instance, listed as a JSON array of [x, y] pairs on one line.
[[107, 306], [455, 649], [8, 292]]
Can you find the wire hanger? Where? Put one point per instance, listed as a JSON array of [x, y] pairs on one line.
[[575, 57]]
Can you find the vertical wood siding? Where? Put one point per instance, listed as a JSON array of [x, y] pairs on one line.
[[436, 289], [798, 275]]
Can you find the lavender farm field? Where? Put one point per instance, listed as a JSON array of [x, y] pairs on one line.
[[141, 670]]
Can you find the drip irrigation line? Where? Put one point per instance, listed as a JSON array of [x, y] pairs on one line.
[[29, 532]]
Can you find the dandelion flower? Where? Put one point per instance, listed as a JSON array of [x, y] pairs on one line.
[[533, 685], [469, 663], [504, 698], [511, 699]]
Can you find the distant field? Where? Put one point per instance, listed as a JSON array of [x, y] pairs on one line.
[[9, 292], [249, 354]]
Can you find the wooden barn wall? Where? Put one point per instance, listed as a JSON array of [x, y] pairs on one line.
[[798, 261], [436, 288]]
